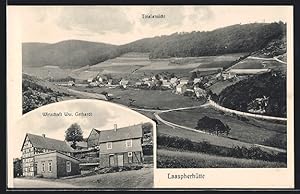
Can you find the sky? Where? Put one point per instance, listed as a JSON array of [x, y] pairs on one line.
[[105, 115], [123, 24]]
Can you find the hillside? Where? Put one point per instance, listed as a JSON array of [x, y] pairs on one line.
[[265, 94], [232, 39], [66, 54], [37, 93]]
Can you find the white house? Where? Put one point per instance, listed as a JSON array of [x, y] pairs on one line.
[[124, 83], [199, 92], [197, 80], [145, 79], [167, 84], [173, 80], [184, 81], [181, 88]]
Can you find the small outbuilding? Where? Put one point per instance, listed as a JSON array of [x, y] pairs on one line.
[[56, 164]]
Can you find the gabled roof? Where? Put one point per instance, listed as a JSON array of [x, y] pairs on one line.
[[96, 130], [48, 143], [82, 144], [130, 132]]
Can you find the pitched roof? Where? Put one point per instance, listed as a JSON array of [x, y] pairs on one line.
[[48, 143], [130, 132], [79, 144]]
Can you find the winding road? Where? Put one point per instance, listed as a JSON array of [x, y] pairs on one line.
[[174, 125]]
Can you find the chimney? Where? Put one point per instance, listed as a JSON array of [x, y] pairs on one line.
[[43, 135], [115, 127]]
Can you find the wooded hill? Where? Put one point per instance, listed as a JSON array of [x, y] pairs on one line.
[[231, 39]]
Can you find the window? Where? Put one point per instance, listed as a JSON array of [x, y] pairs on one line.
[[129, 157], [50, 166], [43, 166], [68, 166], [109, 145], [129, 143], [129, 154]]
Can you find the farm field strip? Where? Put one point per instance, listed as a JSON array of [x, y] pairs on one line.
[[200, 160]]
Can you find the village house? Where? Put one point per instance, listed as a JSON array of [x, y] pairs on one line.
[[197, 80], [145, 79], [121, 146], [199, 92], [124, 83], [93, 138], [181, 88], [55, 164], [35, 144], [94, 84], [138, 84], [167, 85], [71, 83], [149, 83], [110, 82], [228, 75], [173, 80], [184, 81]]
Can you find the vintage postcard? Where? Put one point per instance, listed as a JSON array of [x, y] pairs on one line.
[[146, 97]]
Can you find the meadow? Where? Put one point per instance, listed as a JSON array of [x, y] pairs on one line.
[[176, 159], [151, 99], [258, 64], [247, 130]]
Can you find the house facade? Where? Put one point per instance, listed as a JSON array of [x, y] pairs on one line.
[[35, 144], [93, 138], [181, 88], [120, 147], [56, 164]]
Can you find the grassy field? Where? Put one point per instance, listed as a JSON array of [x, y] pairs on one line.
[[221, 85], [200, 137], [142, 178], [47, 71], [257, 64], [146, 98], [175, 159], [252, 131]]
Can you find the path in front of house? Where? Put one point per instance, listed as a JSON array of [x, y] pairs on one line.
[[40, 183]]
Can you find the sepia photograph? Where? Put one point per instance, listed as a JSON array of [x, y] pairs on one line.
[[213, 82], [84, 144]]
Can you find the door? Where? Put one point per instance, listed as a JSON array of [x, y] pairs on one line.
[[120, 160], [111, 160]]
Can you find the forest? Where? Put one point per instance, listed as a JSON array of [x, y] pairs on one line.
[[271, 85], [232, 39]]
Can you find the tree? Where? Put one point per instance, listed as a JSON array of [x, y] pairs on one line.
[[17, 167], [212, 125], [147, 127], [74, 134]]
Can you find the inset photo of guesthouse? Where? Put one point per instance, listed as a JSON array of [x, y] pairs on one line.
[[83, 143]]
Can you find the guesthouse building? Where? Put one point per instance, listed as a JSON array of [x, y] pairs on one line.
[[121, 146], [35, 144]]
